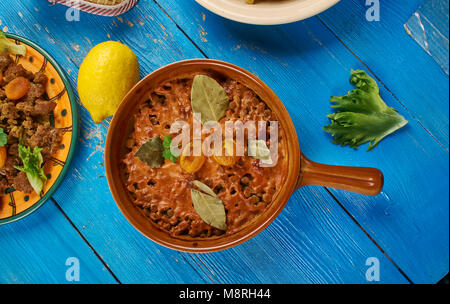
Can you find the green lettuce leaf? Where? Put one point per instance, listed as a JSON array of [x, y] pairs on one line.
[[32, 166], [361, 115], [7, 46]]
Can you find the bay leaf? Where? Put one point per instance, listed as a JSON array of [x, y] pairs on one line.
[[204, 188], [208, 98], [258, 149], [151, 152], [209, 206]]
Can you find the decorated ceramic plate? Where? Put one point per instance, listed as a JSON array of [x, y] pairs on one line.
[[267, 12], [15, 204]]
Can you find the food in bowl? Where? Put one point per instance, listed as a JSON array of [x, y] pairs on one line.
[[28, 137], [297, 170], [203, 196]]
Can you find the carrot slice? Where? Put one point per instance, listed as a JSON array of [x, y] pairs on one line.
[[17, 88], [3, 156], [229, 158], [190, 163]]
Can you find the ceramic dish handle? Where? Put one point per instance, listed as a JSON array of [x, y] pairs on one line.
[[368, 181]]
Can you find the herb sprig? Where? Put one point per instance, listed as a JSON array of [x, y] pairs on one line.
[[167, 153]]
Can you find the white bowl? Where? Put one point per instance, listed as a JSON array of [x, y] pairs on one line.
[[267, 12]]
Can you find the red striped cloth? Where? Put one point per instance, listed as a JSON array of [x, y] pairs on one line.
[[97, 9]]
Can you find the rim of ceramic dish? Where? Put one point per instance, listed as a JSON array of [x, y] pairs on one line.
[[75, 130], [272, 15], [117, 188]]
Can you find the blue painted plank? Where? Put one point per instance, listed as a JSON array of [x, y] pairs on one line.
[[385, 47], [437, 12], [311, 242], [35, 249], [326, 248], [429, 27], [84, 195], [305, 64]]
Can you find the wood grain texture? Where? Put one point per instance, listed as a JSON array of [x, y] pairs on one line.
[[310, 242], [327, 247], [35, 249], [419, 84], [305, 64], [422, 88], [85, 191]]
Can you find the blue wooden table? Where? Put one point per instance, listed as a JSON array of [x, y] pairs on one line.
[[323, 235]]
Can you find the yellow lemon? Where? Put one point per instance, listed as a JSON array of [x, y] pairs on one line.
[[106, 75]]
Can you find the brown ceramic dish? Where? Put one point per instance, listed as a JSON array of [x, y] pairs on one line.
[[302, 171]]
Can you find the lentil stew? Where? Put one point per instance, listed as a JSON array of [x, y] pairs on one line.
[[163, 194]]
